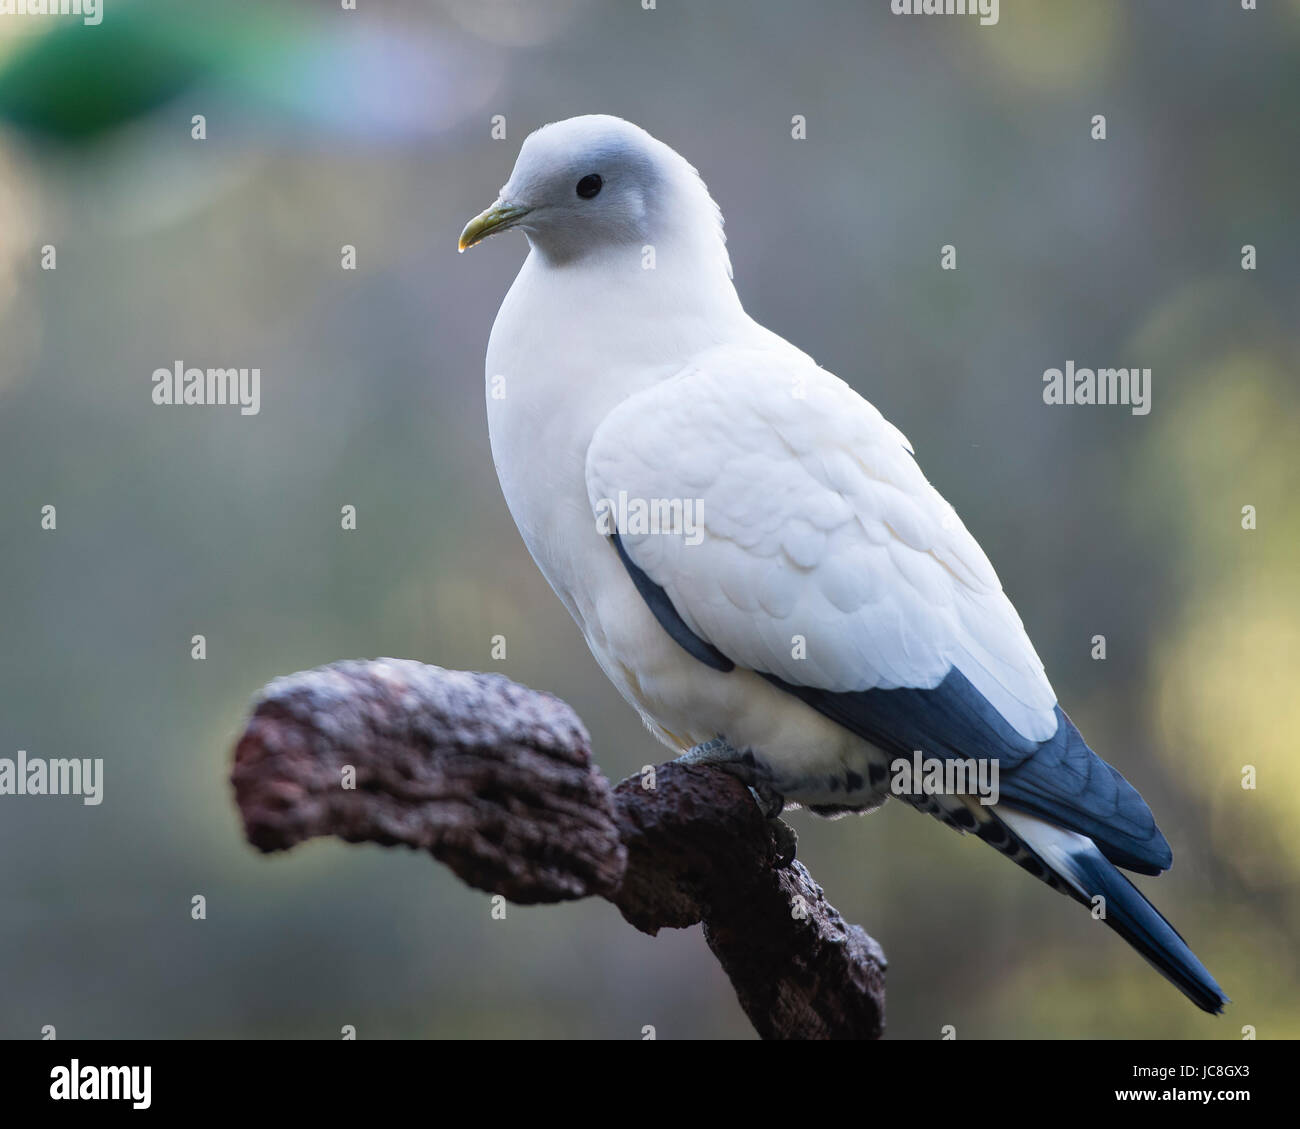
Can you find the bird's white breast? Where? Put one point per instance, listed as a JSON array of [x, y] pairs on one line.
[[563, 354], [569, 344]]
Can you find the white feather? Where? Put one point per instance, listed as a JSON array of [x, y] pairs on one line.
[[818, 524]]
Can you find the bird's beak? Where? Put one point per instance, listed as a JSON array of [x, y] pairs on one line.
[[497, 218]]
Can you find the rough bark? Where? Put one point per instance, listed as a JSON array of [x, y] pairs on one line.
[[497, 781]]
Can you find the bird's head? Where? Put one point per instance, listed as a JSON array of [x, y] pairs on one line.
[[597, 183]]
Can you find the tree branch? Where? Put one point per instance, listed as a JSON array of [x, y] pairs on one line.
[[496, 780]]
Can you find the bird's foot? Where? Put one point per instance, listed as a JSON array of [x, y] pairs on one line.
[[716, 752], [771, 803], [787, 842]]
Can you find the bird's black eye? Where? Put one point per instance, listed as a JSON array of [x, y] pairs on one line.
[[589, 185]]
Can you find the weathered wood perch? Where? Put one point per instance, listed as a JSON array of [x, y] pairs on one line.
[[497, 781]]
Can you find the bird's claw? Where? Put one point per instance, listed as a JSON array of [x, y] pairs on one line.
[[786, 841], [770, 803]]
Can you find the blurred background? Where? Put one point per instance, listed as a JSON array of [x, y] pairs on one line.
[[373, 128]]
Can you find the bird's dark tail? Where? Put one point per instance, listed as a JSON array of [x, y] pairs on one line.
[[1086, 874]]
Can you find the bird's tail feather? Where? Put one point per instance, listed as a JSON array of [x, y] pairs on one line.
[[1087, 875]]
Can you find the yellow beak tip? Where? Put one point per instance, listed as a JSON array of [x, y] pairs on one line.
[[499, 217]]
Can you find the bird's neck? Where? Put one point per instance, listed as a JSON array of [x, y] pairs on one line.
[[574, 340], [627, 310]]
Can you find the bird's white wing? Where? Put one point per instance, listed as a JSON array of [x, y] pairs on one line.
[[824, 556]]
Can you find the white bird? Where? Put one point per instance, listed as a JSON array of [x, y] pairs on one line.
[[807, 610]]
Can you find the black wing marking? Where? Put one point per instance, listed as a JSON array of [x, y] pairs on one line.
[[1060, 779], [666, 614]]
